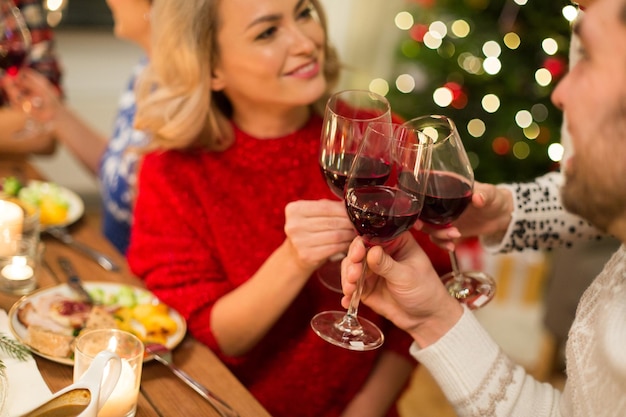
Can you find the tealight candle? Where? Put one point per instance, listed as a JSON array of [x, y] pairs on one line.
[[123, 399], [18, 270], [11, 219]]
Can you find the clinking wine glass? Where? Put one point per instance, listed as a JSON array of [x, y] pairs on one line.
[[346, 117], [448, 193], [15, 48], [380, 210]]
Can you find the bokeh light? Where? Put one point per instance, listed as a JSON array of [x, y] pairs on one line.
[[404, 20]]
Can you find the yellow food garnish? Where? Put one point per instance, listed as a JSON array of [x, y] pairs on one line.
[[149, 322], [51, 212]]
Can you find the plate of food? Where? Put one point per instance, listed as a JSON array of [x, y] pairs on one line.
[[48, 320], [58, 206]]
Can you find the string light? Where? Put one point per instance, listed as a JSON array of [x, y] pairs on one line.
[[555, 152], [491, 103], [570, 13], [379, 86], [543, 77], [460, 28], [404, 20], [550, 46]]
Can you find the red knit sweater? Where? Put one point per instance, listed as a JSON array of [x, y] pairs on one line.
[[205, 222]]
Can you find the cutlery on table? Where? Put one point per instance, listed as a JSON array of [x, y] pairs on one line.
[[64, 236], [74, 280], [163, 355]]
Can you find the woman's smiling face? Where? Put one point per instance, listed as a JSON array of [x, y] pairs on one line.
[[270, 52]]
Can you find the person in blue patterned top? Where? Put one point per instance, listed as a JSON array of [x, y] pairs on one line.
[[113, 160]]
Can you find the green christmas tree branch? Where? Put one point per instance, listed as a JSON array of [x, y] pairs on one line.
[[13, 348]]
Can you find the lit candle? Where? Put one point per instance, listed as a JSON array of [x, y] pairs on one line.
[[123, 399], [11, 219], [18, 270]]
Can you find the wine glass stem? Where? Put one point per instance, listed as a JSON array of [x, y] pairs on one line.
[[456, 287], [353, 308], [455, 263]]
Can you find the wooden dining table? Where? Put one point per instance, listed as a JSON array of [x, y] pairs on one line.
[[161, 393]]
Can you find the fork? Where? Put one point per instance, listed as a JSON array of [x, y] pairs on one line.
[[163, 355]]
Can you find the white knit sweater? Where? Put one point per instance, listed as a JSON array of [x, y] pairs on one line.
[[481, 381]]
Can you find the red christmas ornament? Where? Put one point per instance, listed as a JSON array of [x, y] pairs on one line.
[[425, 3], [556, 66], [459, 98], [418, 31], [501, 145]]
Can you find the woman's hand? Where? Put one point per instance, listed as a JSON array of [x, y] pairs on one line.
[[403, 287], [316, 230]]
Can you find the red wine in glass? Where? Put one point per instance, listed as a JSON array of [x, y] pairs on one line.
[[346, 117], [380, 213], [15, 47], [376, 172], [12, 61], [448, 193], [380, 210]]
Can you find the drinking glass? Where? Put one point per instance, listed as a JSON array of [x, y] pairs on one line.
[[380, 209], [122, 401], [448, 193], [346, 117], [15, 48]]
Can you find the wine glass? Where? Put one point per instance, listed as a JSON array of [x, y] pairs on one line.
[[448, 193], [346, 117], [380, 209], [15, 47]]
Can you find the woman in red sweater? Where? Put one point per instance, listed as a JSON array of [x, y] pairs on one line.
[[233, 216]]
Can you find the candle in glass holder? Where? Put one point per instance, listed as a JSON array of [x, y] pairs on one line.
[[123, 399], [18, 269], [11, 219]]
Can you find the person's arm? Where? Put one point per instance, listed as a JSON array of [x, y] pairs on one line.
[[61, 122], [473, 372], [11, 122], [518, 216]]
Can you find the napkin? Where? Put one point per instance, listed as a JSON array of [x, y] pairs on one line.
[[26, 385]]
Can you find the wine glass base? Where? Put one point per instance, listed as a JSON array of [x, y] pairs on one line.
[[472, 288], [329, 275], [347, 332]]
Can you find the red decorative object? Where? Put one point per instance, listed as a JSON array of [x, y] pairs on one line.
[[418, 31], [459, 98], [501, 145], [556, 66], [425, 3]]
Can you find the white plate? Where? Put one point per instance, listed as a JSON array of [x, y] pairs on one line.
[[20, 331], [76, 206]]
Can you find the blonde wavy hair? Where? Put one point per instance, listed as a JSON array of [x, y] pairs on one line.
[[175, 102]]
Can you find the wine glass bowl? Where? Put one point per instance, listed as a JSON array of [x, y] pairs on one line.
[[346, 117], [15, 49], [380, 209], [448, 193], [15, 39]]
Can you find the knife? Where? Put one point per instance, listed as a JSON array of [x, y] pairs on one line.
[[74, 280], [62, 234]]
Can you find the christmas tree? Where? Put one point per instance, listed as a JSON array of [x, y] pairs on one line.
[[491, 66]]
